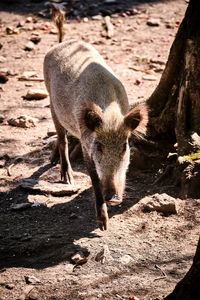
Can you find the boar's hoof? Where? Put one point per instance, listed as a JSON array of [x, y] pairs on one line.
[[67, 177], [102, 219], [115, 200]]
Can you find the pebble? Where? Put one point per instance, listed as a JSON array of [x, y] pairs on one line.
[[161, 203], [149, 77], [29, 46], [79, 258], [97, 17], [31, 279], [36, 94], [110, 1], [35, 39], [51, 132], [157, 61], [53, 31], [2, 59], [58, 189], [126, 259], [85, 20], [23, 121], [103, 255], [29, 74], [29, 19], [153, 22], [20, 206], [6, 71], [3, 78], [2, 163]]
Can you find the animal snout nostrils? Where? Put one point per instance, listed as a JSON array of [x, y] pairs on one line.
[[114, 200]]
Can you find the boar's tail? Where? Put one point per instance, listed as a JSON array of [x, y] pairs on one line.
[[58, 16]]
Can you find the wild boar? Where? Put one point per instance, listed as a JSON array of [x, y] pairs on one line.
[[89, 101]]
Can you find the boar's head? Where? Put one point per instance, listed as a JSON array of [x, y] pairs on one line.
[[108, 146]]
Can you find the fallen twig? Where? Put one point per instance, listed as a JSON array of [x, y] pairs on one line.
[[9, 169], [109, 26], [29, 79], [163, 273]]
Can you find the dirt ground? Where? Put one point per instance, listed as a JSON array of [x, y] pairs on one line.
[[144, 253]]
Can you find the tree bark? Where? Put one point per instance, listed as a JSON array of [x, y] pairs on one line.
[[175, 117], [189, 287], [175, 103]]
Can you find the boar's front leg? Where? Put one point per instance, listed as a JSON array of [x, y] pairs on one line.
[[60, 152], [101, 208]]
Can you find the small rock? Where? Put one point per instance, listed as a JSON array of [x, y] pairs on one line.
[[4, 71], [2, 118], [23, 121], [153, 22], [58, 189], [33, 94], [35, 39], [110, 1], [126, 259], [20, 206], [26, 292], [161, 203], [138, 82], [49, 142], [9, 30], [85, 20], [28, 74], [29, 46], [9, 286], [31, 279], [7, 72], [33, 295], [2, 162], [53, 31], [103, 255], [149, 77], [123, 14], [157, 61], [79, 258], [156, 67], [2, 59], [135, 11], [51, 132], [28, 84], [29, 19], [3, 78], [97, 17]]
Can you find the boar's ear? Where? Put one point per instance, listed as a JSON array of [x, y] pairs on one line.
[[92, 118], [136, 120]]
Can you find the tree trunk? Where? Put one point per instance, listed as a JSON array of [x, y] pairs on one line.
[[175, 103], [175, 117], [189, 287]]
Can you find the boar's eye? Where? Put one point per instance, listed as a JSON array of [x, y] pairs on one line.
[[99, 147], [123, 149]]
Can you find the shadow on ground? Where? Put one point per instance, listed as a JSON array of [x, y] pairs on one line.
[[73, 9], [40, 236]]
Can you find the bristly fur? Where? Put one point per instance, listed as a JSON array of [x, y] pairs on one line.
[[111, 124], [95, 110], [137, 119]]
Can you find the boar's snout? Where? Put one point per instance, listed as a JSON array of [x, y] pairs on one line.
[[115, 200], [111, 198]]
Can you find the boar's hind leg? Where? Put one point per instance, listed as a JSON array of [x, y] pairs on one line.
[[101, 208], [60, 152]]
